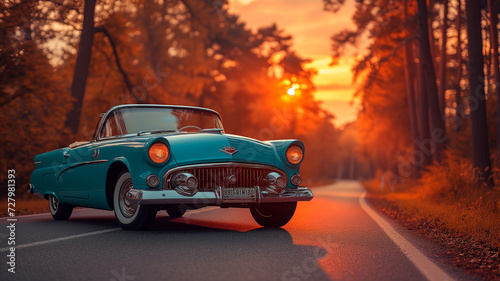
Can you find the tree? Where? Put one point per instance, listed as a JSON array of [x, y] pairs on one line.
[[423, 110], [442, 69], [459, 111], [409, 82], [32, 99], [436, 120], [495, 62], [480, 145], [82, 66]]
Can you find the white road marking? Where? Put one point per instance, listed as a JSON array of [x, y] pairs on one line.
[[88, 233], [38, 215], [60, 239], [26, 216], [430, 270]]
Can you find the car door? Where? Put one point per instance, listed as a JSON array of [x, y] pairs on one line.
[[72, 180], [105, 140]]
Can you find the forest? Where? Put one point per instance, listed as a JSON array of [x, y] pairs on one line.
[[65, 62], [427, 76]]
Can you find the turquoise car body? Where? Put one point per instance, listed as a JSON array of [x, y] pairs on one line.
[[83, 174]]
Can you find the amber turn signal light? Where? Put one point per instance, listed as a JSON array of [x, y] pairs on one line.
[[158, 152]]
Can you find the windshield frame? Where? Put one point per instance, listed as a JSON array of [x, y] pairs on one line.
[[105, 117]]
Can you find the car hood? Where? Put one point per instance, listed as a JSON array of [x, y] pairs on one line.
[[200, 148]]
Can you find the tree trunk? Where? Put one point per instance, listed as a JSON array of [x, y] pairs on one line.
[[423, 116], [459, 109], [82, 66], [442, 73], [410, 93], [496, 68], [437, 124], [480, 146]]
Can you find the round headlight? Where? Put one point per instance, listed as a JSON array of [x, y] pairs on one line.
[[296, 179], [280, 182], [276, 181], [153, 181], [294, 154], [158, 152], [192, 182], [185, 184]]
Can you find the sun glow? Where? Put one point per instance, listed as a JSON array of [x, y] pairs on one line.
[[291, 90]]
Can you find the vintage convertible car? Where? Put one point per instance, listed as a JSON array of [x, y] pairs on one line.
[[145, 158]]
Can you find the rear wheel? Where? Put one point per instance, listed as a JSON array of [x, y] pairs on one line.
[[58, 210], [130, 216], [273, 214], [175, 211]]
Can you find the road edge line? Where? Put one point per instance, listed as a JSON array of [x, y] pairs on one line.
[[429, 269], [60, 239]]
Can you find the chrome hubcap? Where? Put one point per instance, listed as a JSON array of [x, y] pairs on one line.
[[54, 203], [127, 208]]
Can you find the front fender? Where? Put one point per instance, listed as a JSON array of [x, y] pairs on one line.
[[280, 147]]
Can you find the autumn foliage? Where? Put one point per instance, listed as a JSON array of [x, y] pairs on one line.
[[165, 52], [408, 116]]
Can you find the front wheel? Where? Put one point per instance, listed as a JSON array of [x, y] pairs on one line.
[[58, 210], [273, 214], [128, 215]]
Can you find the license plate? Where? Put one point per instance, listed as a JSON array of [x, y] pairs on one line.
[[238, 193]]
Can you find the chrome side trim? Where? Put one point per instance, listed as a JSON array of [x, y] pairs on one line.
[[79, 165]]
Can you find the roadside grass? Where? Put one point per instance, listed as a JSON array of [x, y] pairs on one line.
[[25, 205], [450, 194]]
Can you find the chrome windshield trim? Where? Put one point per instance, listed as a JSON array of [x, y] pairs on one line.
[[104, 116]]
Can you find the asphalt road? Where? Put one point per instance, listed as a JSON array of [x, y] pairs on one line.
[[336, 236]]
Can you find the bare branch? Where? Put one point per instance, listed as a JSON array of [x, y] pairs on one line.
[[393, 52], [13, 97], [118, 63]]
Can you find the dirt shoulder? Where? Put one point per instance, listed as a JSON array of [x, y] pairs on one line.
[[469, 254]]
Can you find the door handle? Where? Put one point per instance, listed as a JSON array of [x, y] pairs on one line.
[[66, 155]]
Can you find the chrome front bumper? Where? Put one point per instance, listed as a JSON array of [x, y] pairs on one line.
[[159, 197]]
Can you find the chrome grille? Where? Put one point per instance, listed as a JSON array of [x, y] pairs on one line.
[[211, 175]]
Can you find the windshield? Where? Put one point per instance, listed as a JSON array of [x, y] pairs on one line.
[[137, 120]]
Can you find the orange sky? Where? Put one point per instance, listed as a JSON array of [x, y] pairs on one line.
[[311, 28]]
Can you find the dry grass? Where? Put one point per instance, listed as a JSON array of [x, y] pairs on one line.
[[450, 194], [26, 205]]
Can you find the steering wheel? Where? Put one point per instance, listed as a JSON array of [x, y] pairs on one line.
[[191, 127]]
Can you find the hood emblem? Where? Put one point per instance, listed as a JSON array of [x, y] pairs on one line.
[[229, 150]]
